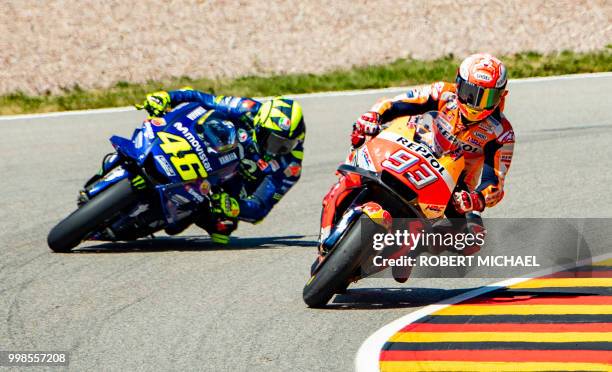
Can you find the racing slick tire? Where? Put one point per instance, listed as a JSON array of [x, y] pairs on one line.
[[69, 232], [341, 264]]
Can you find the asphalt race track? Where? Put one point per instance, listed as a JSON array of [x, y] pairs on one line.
[[183, 304]]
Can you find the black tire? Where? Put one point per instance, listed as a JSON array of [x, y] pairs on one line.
[[73, 229], [340, 265]]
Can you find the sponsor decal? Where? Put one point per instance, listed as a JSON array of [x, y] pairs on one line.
[[262, 164], [469, 148], [141, 208], [242, 135], [199, 111], [233, 102], [287, 183], [480, 135], [274, 165], [194, 193], [205, 187], [474, 141], [506, 137], [158, 122], [366, 156], [495, 123], [163, 163], [487, 127], [138, 182], [362, 159], [248, 104], [179, 199], [505, 157], [228, 158], [444, 128], [138, 140], [115, 173], [423, 151], [148, 131], [293, 170], [482, 76], [195, 144], [435, 208], [284, 123]]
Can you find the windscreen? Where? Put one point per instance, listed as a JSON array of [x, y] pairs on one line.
[[219, 135]]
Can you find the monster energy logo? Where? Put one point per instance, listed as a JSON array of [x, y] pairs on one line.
[[139, 182]]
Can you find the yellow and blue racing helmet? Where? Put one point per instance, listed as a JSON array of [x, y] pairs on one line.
[[279, 126]]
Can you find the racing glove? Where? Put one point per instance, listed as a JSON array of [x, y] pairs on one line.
[[223, 204], [368, 123], [465, 201], [357, 138], [155, 103], [474, 226]]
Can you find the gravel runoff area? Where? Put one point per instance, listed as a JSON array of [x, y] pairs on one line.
[[47, 46]]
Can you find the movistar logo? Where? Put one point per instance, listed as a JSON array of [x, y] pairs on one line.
[[195, 144]]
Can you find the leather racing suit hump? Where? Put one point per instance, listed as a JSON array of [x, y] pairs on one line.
[[487, 145], [265, 179]]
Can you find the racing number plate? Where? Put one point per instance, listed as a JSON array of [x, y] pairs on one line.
[[186, 162]]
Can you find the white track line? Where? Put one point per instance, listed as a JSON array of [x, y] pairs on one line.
[[368, 355], [401, 89], [342, 93], [67, 113]]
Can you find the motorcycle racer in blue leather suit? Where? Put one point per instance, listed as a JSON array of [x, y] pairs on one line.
[[271, 135]]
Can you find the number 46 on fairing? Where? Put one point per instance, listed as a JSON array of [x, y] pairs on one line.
[[186, 163]]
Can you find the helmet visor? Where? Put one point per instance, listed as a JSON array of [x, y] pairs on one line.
[[478, 97], [274, 144]]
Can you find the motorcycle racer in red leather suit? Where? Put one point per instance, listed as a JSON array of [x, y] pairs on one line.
[[475, 104]]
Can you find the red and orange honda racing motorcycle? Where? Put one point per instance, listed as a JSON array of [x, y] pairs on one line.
[[409, 170]]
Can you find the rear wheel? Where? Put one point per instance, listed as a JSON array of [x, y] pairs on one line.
[[341, 264], [73, 229]]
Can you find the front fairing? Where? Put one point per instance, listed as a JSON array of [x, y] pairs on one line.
[[397, 152], [181, 185]]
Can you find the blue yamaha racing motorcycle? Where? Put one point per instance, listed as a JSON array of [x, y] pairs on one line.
[[161, 178]]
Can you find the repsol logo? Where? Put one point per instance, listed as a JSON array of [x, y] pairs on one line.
[[466, 147], [423, 151], [195, 144]]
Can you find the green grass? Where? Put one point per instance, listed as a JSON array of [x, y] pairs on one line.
[[399, 73]]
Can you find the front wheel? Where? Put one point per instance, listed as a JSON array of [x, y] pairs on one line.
[[341, 264], [73, 229]]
